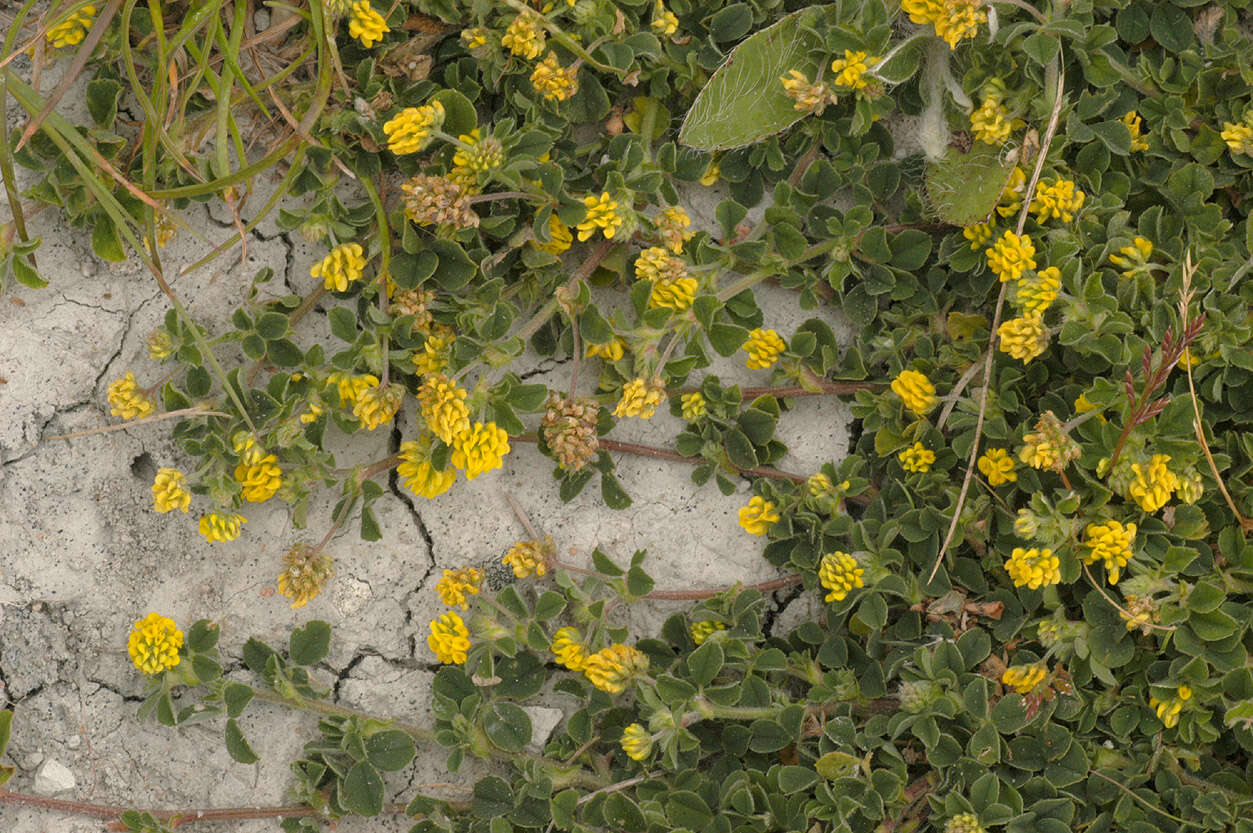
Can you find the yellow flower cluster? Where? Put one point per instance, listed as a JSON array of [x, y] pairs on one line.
[[1083, 405], [1023, 678], [72, 30], [672, 287], [1049, 446], [610, 351], [1152, 483], [1033, 568], [672, 226], [435, 353], [568, 648], [1141, 612], [1132, 120], [552, 80], [979, 234], [377, 405], [1109, 542], [306, 571], [850, 71], [456, 586], [559, 232], [1168, 711], [474, 156], [366, 25], [964, 823], [1037, 291], [704, 629], [524, 37], [344, 264], [412, 129], [763, 347], [1024, 338], [1133, 259], [954, 20], [640, 398], [350, 387], [259, 475], [153, 643], [610, 669], [990, 122], [216, 526], [819, 485], [480, 449], [1010, 256], [916, 458], [474, 37], [449, 639], [168, 492], [160, 344], [1057, 200], [602, 213], [758, 516], [636, 742], [693, 405], [527, 557], [1239, 137], [664, 21], [127, 400], [915, 390], [839, 573], [1011, 197], [998, 467], [417, 472], [443, 406]]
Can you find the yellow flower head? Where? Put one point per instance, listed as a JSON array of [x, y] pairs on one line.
[[476, 154], [1168, 711], [311, 415], [306, 571], [1133, 259], [350, 387], [443, 406], [979, 234], [559, 232], [915, 390], [1049, 446], [612, 668], [1132, 120], [758, 516], [1010, 256], [1190, 487], [1024, 338], [456, 586], [990, 123], [704, 629], [260, 478], [1033, 568], [1239, 138], [168, 492], [1011, 197], [997, 466], [640, 398], [417, 472], [480, 449], [672, 226], [954, 20], [636, 742], [672, 287], [216, 526], [964, 823], [412, 129], [1141, 612], [527, 557], [1057, 200], [1152, 483], [377, 405], [664, 24], [1110, 542], [552, 80], [524, 37], [474, 37], [568, 648], [693, 405], [916, 458], [839, 573], [449, 639], [610, 351], [72, 30], [1083, 405], [764, 348], [153, 643], [160, 344], [1023, 678], [366, 25], [1037, 291], [850, 71], [435, 354], [127, 400], [712, 172], [342, 266], [602, 213]]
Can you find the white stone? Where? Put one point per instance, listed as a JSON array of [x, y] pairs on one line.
[[543, 721], [53, 777]]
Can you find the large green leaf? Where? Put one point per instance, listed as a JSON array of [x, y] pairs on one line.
[[963, 188], [744, 101]]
